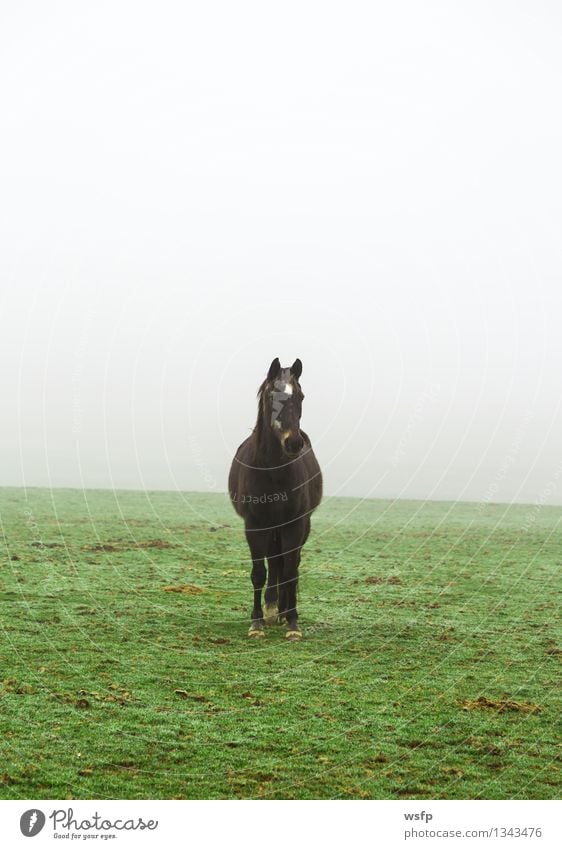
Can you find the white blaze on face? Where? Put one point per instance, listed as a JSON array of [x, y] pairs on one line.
[[283, 389]]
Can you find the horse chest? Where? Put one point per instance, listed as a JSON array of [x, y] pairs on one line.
[[273, 506]]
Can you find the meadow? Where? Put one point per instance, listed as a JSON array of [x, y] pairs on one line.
[[429, 666]]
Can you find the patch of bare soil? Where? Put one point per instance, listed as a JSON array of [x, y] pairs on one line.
[[377, 579], [128, 546], [501, 705], [188, 589]]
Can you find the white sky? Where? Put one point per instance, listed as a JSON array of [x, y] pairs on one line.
[[191, 189]]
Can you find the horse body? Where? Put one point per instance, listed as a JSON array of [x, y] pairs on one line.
[[275, 484]]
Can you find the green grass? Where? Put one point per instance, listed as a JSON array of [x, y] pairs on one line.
[[414, 614]]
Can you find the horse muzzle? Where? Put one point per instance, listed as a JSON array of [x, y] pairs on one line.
[[293, 445]]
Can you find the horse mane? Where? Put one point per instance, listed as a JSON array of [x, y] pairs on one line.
[[257, 433]]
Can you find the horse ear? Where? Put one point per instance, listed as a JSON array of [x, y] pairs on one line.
[[296, 369], [274, 369]]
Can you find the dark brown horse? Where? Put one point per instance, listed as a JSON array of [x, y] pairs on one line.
[[275, 483]]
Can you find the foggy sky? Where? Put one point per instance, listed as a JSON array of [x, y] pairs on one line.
[[190, 190]]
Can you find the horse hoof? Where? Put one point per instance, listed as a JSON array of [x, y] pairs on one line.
[[293, 636], [271, 614], [256, 632]]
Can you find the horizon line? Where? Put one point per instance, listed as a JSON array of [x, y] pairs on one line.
[[224, 493]]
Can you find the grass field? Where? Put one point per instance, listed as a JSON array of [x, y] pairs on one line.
[[429, 665]]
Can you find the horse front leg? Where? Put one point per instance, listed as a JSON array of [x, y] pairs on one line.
[[274, 573], [257, 541]]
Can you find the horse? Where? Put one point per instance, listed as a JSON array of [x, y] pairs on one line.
[[275, 484]]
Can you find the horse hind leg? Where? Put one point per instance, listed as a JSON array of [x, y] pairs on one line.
[[292, 537], [274, 572]]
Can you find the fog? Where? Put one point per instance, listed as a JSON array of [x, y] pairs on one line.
[[190, 190]]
